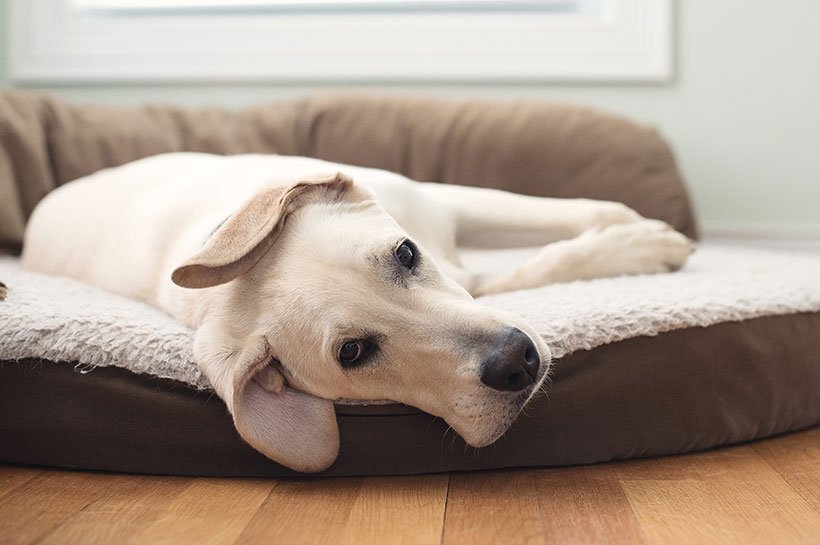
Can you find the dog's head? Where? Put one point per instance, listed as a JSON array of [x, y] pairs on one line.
[[320, 295]]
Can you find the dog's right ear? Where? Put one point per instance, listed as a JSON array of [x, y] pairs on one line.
[[247, 235], [294, 428]]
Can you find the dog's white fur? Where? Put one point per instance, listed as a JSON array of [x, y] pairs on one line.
[[278, 260]]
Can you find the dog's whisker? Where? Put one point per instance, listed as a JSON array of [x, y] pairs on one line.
[[444, 437]]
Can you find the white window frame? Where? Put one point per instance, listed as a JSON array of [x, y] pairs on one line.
[[627, 41]]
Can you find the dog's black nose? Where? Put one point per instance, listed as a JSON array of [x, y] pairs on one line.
[[512, 363]]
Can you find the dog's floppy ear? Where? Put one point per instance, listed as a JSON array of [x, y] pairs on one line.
[[293, 428], [245, 237]]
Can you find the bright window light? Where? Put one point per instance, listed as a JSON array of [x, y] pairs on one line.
[[340, 41], [570, 6]]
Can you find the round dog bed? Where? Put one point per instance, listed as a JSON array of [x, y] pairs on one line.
[[725, 350]]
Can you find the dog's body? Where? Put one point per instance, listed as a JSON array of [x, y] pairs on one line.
[[337, 289]]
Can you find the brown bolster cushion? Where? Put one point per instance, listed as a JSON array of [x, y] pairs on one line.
[[544, 149]]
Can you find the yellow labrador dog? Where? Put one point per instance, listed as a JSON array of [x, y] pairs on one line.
[[308, 281]]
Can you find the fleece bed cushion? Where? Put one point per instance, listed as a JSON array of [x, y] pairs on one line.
[[726, 350]]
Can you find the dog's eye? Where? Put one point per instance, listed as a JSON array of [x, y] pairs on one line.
[[406, 254], [350, 353], [357, 352]]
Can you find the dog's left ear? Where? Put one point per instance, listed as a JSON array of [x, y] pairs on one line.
[[249, 233], [296, 429]]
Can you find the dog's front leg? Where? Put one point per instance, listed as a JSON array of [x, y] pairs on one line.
[[643, 247]]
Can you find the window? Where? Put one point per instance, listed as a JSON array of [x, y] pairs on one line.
[[313, 5], [340, 40]]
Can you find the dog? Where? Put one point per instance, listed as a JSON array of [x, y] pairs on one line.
[[308, 281]]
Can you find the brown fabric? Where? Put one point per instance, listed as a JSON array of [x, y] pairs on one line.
[[25, 167], [684, 390], [536, 148], [548, 150]]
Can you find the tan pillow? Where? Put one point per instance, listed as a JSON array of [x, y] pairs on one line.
[[536, 148]]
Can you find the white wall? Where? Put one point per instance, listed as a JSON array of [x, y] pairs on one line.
[[743, 113]]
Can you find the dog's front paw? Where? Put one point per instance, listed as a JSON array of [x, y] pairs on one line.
[[645, 247], [3, 291], [603, 214]]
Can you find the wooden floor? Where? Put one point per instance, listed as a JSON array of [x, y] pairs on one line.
[[767, 493]]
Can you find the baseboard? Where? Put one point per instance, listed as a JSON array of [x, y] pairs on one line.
[[780, 235], [761, 230]]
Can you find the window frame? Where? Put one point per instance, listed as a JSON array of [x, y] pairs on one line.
[[627, 41]]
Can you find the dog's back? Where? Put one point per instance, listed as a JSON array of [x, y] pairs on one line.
[[125, 229]]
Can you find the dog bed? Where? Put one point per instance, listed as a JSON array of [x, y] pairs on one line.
[[724, 351]]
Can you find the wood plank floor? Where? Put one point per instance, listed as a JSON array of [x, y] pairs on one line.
[[766, 492]]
